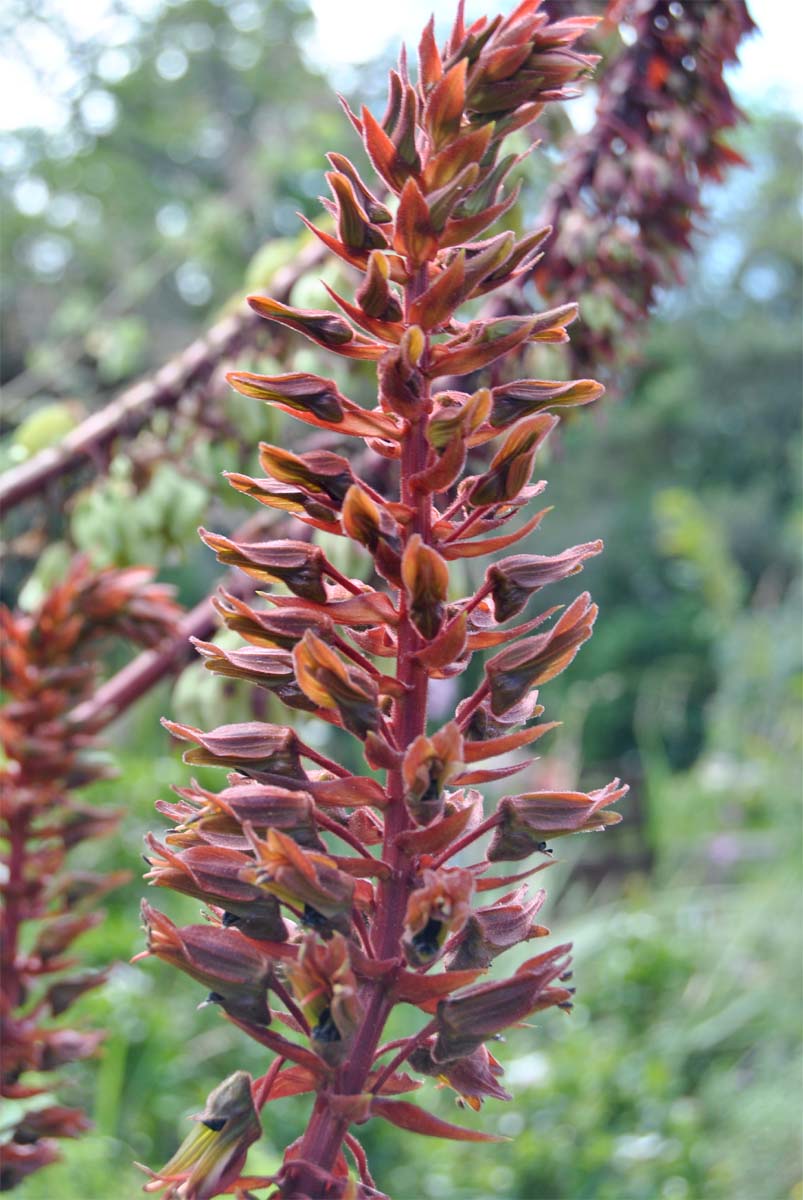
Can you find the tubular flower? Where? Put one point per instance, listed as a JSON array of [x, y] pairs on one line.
[[326, 990], [428, 766], [256, 749], [210, 1159], [527, 821], [490, 931], [236, 969], [474, 1077], [212, 873], [513, 671], [439, 907], [329, 683], [467, 1020], [513, 580], [308, 882]]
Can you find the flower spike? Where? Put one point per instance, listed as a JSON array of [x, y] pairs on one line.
[[334, 887]]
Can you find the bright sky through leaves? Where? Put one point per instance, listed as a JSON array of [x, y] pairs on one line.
[[347, 32]]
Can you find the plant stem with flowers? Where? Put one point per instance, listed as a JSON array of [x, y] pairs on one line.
[[49, 660], [336, 940]]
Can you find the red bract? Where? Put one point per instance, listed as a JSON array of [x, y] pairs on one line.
[[49, 663], [364, 921]]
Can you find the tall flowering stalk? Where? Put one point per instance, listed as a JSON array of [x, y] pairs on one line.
[[630, 195], [325, 939], [49, 664]]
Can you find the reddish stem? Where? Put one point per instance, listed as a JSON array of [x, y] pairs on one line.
[[473, 703], [410, 1044], [364, 663], [362, 930], [467, 839], [394, 1045], [261, 1088], [360, 1159], [475, 600], [328, 764], [463, 529], [12, 915], [345, 834], [290, 1004], [342, 579]]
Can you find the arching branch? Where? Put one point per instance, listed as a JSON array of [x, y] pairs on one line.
[[134, 407]]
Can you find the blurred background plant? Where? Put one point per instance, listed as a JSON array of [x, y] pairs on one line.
[[189, 134]]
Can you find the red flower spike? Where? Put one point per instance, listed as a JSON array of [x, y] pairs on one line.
[[49, 720], [387, 890]]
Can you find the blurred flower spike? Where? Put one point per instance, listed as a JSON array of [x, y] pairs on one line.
[[50, 659]]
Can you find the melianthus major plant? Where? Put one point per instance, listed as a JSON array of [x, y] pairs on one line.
[[49, 661], [325, 943]]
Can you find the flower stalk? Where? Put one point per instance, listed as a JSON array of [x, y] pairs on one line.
[[49, 666], [346, 938]]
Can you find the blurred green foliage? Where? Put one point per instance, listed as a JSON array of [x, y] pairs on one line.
[[676, 1076], [185, 136]]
